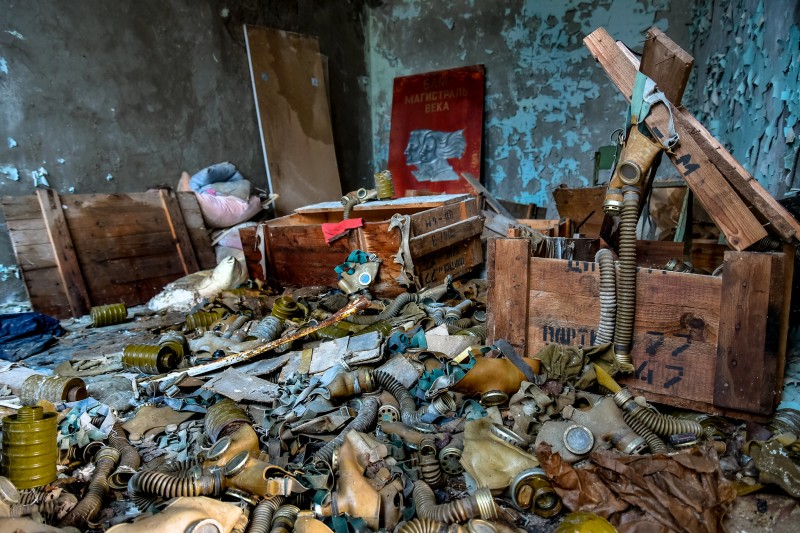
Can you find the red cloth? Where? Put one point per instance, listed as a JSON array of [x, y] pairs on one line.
[[334, 230]]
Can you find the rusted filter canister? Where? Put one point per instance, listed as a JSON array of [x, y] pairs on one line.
[[53, 389], [202, 319], [384, 185], [676, 265], [150, 358], [221, 415], [531, 490], [108, 315], [30, 451], [174, 340]]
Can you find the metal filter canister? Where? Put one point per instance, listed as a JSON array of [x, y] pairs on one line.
[[30, 451]]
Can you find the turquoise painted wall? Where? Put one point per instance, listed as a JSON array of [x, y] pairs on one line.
[[747, 90], [549, 105]]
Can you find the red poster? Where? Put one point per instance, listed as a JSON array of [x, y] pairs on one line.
[[437, 124]]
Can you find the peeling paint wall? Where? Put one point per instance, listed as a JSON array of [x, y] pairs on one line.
[[105, 97], [747, 89], [549, 106]]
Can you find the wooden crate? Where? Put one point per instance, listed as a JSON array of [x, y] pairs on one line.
[[712, 344], [444, 239], [77, 251]]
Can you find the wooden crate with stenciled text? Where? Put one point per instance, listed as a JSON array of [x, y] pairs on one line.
[[715, 344], [444, 239]]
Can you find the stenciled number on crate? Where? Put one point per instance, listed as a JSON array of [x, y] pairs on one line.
[[580, 266], [685, 160], [674, 372], [433, 221]]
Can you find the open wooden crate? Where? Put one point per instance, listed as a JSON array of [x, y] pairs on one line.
[[712, 344], [80, 250], [444, 240]]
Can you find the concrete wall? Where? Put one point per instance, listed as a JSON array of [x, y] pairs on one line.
[[549, 106], [747, 57], [115, 96]]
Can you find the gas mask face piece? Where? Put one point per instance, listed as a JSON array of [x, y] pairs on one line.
[[358, 277]]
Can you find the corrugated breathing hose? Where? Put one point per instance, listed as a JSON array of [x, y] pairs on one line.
[[653, 441], [129, 459], [626, 282], [169, 485], [92, 501], [391, 311], [481, 504], [660, 424], [421, 525], [362, 422], [352, 201], [408, 406], [608, 296], [284, 519], [261, 517]]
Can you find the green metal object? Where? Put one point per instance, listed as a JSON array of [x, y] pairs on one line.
[[150, 358], [29, 450], [203, 319], [108, 315], [53, 389]]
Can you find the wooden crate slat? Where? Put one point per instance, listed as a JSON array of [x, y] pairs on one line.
[[509, 281], [177, 226], [667, 64], [446, 236], [67, 262]]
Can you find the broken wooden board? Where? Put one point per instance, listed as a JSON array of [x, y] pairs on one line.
[[682, 322], [578, 204], [293, 117], [667, 64], [125, 247], [719, 199]]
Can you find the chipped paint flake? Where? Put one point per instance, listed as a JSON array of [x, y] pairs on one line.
[[40, 177], [11, 142], [15, 33], [9, 172], [3, 65]]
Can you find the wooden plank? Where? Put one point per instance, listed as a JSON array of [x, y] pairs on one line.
[[111, 248], [726, 208], [489, 197], [440, 217], [293, 117], [406, 202], [46, 292], [742, 336], [35, 256], [201, 242], [446, 236], [577, 204], [780, 220], [508, 272], [778, 312], [254, 255], [20, 207], [455, 260], [180, 235], [68, 268], [706, 255], [667, 64]]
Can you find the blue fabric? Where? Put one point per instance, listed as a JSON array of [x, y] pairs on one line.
[[26, 334], [215, 174]]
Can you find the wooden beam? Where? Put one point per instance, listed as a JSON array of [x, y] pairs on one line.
[[183, 243], [726, 208], [69, 270], [667, 64], [742, 363], [446, 236], [490, 199], [508, 272]]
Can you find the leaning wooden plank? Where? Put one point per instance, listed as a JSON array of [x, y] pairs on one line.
[[667, 64], [68, 267], [180, 235], [726, 208], [509, 278], [780, 220], [193, 218], [293, 117]]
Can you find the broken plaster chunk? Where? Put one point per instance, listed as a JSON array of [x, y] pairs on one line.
[[40, 177], [402, 370]]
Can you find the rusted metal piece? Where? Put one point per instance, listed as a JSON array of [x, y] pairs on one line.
[[53, 389], [349, 310]]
